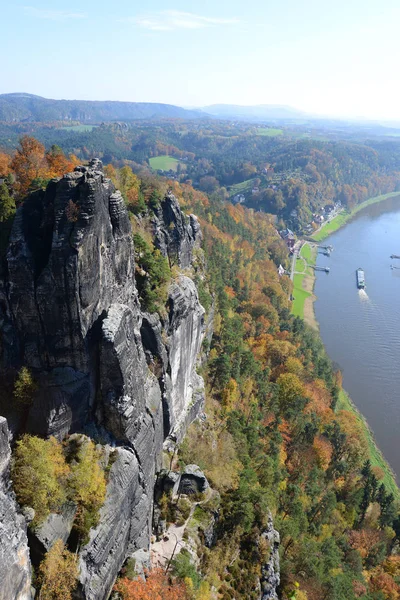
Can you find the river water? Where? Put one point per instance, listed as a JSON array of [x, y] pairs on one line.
[[361, 329]]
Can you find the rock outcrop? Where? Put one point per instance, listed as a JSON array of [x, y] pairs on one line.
[[191, 482], [70, 312], [270, 571], [175, 235], [15, 569], [124, 526]]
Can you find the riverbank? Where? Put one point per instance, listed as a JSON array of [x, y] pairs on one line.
[[342, 218], [304, 307], [375, 455], [303, 285]]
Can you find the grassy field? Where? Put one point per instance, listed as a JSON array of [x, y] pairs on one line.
[[269, 131], [376, 457], [345, 216], [307, 253], [79, 128], [304, 278], [299, 295], [163, 163], [239, 188]]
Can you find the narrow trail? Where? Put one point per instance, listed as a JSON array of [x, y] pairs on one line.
[[172, 540], [162, 551]]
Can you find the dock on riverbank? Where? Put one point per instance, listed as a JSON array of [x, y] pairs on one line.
[[304, 276]]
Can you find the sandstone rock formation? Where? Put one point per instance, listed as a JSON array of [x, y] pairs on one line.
[[270, 570], [15, 569], [191, 481], [69, 311]]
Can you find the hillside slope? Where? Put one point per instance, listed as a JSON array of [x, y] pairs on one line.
[[22, 107]]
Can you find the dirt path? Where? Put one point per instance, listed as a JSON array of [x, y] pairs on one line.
[[171, 543]]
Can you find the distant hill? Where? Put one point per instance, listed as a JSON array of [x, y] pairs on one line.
[[254, 113], [27, 107]]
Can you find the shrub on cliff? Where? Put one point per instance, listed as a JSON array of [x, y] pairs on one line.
[[24, 387], [44, 477], [86, 484], [152, 275], [39, 474], [7, 203], [156, 586], [58, 574]]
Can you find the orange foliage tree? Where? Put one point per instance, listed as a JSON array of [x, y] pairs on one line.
[[384, 583], [5, 160], [31, 162], [28, 163], [58, 163], [157, 586], [58, 574]]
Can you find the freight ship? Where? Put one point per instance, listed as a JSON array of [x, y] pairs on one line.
[[360, 279]]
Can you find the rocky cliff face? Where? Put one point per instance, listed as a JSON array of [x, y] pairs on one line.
[[270, 570], [69, 312], [15, 571]]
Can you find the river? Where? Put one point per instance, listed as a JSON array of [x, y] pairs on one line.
[[361, 329]]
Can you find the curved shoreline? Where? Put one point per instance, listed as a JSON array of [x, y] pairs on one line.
[[345, 216], [376, 455], [325, 231], [345, 402]]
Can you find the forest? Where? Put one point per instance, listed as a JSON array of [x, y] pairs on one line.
[[291, 173], [276, 439]]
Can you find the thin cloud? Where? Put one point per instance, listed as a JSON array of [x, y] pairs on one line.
[[170, 20], [53, 15]]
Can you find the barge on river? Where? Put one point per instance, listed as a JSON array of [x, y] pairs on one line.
[[360, 279]]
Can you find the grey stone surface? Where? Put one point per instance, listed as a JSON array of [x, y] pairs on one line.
[[185, 336], [5, 451], [62, 277], [142, 561], [176, 235], [55, 527], [69, 311], [191, 481], [15, 568], [123, 528], [270, 571]]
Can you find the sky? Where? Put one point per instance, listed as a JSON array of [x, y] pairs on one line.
[[338, 58]]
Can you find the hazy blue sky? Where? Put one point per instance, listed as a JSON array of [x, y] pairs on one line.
[[338, 57]]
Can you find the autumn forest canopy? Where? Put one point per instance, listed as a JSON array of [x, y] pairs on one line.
[[293, 172], [285, 444]]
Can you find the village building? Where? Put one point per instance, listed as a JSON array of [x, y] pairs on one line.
[[288, 236], [239, 199]]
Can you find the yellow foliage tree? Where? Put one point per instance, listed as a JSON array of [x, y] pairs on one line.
[[24, 387], [323, 449], [290, 388], [231, 395], [58, 574], [39, 474], [87, 485]]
